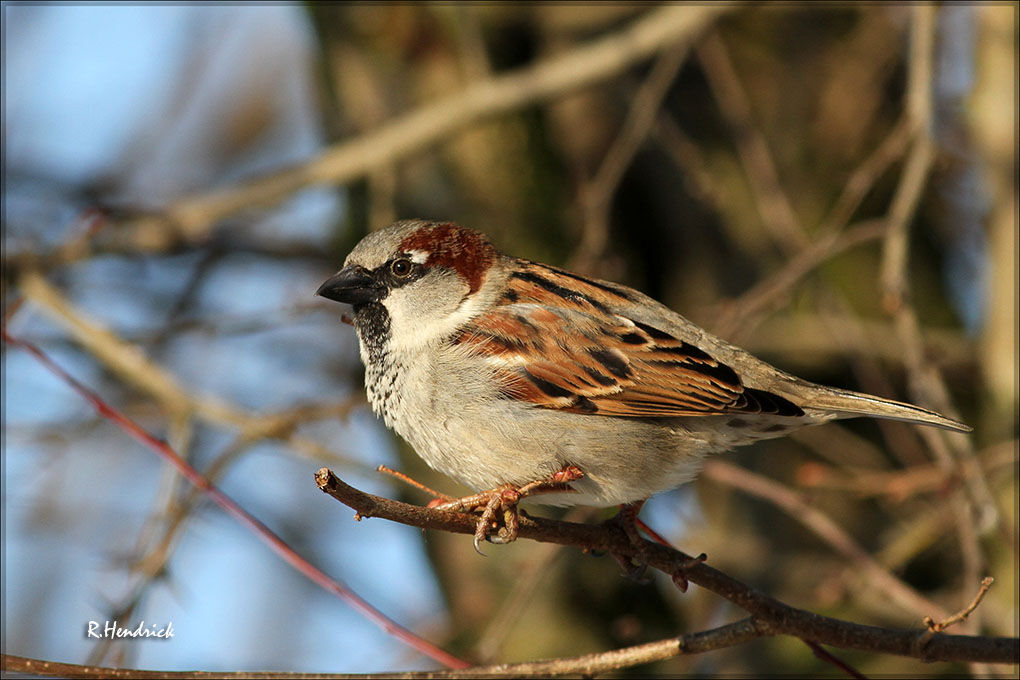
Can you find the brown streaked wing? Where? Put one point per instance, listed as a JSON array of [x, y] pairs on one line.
[[558, 346]]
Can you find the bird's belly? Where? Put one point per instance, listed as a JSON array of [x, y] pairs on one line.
[[464, 429], [622, 459]]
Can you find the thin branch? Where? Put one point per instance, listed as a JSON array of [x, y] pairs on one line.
[[11, 663], [745, 312], [906, 482], [597, 195], [939, 626], [830, 658], [774, 206], [825, 528], [586, 665], [539, 568], [864, 176], [691, 161], [771, 617], [820, 337], [129, 362]]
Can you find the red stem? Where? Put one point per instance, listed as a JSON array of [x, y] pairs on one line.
[[276, 543]]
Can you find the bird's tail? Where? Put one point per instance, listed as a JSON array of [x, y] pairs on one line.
[[849, 404]]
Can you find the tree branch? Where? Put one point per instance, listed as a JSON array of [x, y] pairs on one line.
[[586, 665], [896, 591], [771, 617]]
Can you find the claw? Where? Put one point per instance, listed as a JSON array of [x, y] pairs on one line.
[[627, 519], [500, 504], [511, 523]]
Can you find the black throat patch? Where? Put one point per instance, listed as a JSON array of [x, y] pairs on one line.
[[373, 324]]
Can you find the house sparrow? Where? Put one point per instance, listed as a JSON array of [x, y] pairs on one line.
[[522, 378]]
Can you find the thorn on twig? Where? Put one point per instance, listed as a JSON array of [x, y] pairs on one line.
[[680, 577]]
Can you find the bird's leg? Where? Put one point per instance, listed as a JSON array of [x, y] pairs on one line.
[[501, 502], [652, 533], [437, 497], [557, 481], [628, 520]]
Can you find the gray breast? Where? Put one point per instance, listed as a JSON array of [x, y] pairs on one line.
[[383, 383]]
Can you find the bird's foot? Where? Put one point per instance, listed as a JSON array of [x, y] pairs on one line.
[[499, 519], [634, 565]]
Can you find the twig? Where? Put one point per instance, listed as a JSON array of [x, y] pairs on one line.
[[771, 617], [131, 364], [537, 569], [597, 194], [808, 336], [939, 626], [691, 161], [934, 628], [586, 665], [825, 528], [830, 658], [900, 484], [127, 361], [864, 176], [774, 206], [745, 312]]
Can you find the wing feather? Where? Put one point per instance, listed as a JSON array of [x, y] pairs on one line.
[[557, 343]]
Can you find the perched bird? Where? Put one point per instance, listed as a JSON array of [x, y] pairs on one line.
[[520, 378]]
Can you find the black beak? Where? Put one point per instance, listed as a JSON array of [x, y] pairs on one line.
[[354, 285]]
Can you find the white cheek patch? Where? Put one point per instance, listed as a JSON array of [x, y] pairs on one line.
[[418, 256], [414, 327]]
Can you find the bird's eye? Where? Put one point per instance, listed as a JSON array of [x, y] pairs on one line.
[[401, 267]]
